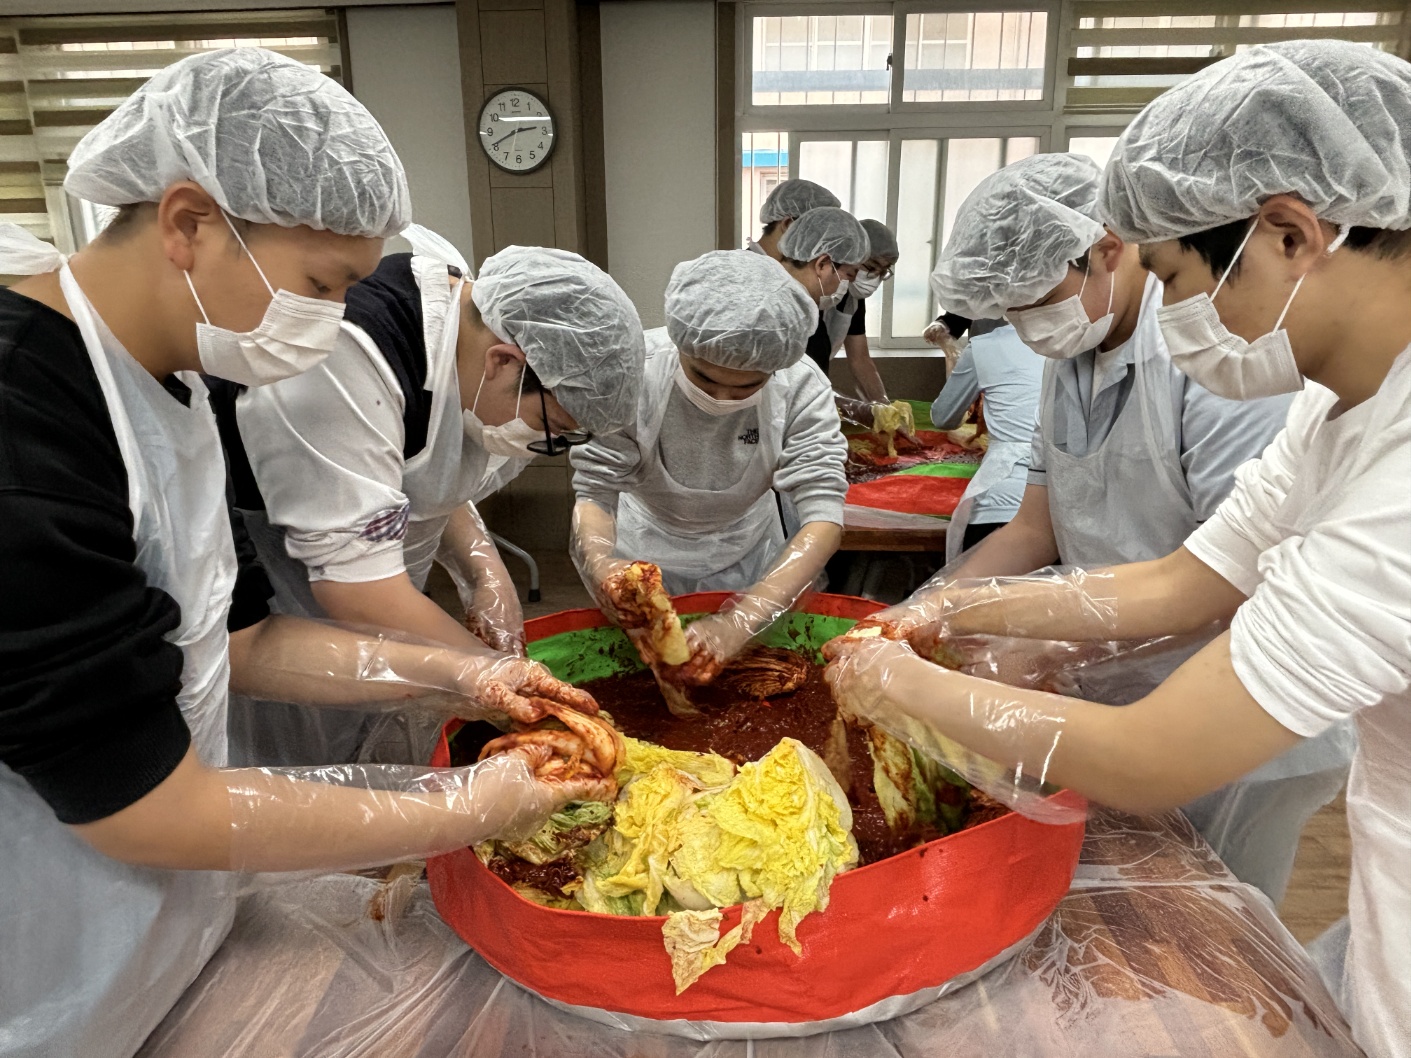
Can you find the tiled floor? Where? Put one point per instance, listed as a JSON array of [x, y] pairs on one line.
[[1317, 895]]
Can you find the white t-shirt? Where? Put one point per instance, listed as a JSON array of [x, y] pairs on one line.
[[1318, 534]]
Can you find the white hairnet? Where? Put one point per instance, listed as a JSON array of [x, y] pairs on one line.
[[881, 240], [827, 230], [1016, 233], [578, 330], [271, 140], [794, 198], [739, 310], [1326, 120]]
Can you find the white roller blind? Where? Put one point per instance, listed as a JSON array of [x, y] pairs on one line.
[[60, 76], [1124, 53]]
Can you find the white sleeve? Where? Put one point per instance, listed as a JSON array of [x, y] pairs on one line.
[[326, 450], [1243, 526], [815, 451], [1328, 630]]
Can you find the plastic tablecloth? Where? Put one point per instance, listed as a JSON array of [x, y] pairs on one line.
[[1156, 950]]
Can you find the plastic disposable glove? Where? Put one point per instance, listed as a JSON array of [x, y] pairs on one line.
[[592, 539], [1001, 606], [714, 640], [488, 595], [937, 712], [347, 816], [939, 335], [487, 685]]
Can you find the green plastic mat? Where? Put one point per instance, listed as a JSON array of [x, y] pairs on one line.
[[592, 653]]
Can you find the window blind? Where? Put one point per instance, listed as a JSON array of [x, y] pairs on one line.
[[1124, 53], [60, 76]]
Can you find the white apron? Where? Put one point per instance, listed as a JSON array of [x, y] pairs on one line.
[[1000, 459], [703, 540], [450, 470], [97, 951], [1126, 500]]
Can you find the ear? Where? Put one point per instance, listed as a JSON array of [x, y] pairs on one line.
[[784, 225], [503, 357], [1107, 251], [184, 210], [1300, 234]]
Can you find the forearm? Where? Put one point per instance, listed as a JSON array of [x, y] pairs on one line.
[[333, 818], [393, 603], [864, 368], [487, 592], [467, 549], [798, 565], [1011, 551], [289, 659], [1197, 731], [1174, 595]]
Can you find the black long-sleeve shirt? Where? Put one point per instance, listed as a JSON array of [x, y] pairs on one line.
[[88, 695]]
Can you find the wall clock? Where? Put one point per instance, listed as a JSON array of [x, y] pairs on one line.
[[516, 130]]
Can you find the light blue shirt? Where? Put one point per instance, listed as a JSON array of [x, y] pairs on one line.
[[1010, 375], [1216, 435]]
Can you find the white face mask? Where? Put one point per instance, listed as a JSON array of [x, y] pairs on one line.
[[1224, 363], [297, 333], [510, 440], [865, 285], [710, 405], [833, 300], [1063, 331]]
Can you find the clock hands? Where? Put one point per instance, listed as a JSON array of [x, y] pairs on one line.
[[496, 145]]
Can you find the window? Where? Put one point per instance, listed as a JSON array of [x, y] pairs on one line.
[[827, 60], [900, 112], [964, 56], [63, 75], [900, 109]]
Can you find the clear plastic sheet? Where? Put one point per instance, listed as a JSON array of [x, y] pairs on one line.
[[1155, 951], [491, 601]]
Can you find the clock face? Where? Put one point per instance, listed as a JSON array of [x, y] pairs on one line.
[[516, 130]]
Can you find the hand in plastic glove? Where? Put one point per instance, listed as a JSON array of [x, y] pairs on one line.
[[714, 641], [939, 335], [496, 619], [518, 688], [560, 790], [860, 670], [998, 739]]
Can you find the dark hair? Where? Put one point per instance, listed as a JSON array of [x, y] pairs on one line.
[[791, 261], [1385, 244], [769, 228], [129, 217], [1082, 261], [1217, 246], [532, 382]]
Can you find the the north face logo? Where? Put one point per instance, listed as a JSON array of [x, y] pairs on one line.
[[750, 436]]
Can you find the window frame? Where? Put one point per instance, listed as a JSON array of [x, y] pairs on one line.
[[896, 121]]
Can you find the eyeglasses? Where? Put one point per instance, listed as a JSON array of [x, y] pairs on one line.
[[551, 445]]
